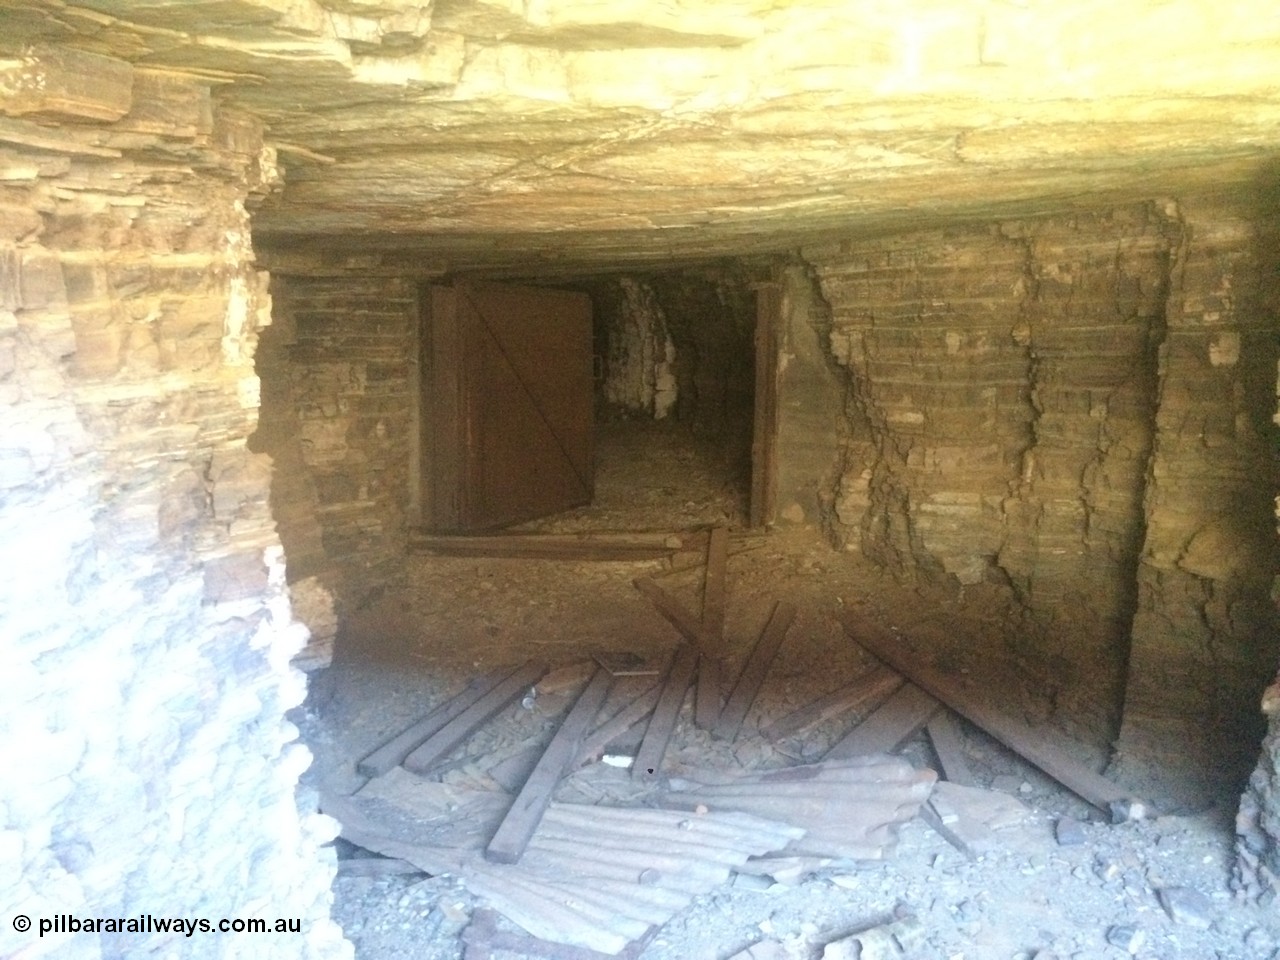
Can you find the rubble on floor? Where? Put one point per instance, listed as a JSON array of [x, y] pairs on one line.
[[605, 874], [642, 817]]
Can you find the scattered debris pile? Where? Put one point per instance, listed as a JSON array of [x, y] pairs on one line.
[[596, 856]]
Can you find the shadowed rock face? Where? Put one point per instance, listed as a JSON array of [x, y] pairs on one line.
[[635, 130]]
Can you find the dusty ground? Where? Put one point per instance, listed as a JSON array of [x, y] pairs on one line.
[[1030, 897]]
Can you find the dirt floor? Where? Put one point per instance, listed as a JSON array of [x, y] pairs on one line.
[[1027, 896]]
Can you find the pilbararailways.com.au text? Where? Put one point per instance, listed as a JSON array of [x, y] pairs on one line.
[[146, 923]]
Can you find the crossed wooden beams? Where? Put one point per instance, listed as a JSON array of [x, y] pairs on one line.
[[699, 656], [916, 694]]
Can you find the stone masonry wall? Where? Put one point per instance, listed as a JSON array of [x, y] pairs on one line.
[[336, 417], [1017, 420], [149, 768]]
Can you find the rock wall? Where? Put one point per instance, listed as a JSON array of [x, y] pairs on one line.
[[1046, 406], [1204, 635], [711, 318], [1257, 868], [680, 343], [815, 423], [635, 351], [338, 417], [149, 766]]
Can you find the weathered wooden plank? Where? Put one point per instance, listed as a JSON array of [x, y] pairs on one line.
[[513, 834], [672, 610], [649, 757], [625, 664], [464, 724], [400, 746], [875, 684], [706, 704], [738, 545], [891, 725], [706, 701], [1035, 746], [632, 713], [753, 673], [714, 586], [600, 546], [944, 734]]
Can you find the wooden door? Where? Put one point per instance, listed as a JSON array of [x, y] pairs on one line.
[[507, 405]]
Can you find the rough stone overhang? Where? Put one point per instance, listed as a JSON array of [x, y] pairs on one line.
[[616, 131]]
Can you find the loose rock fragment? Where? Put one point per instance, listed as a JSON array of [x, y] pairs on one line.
[[1069, 832], [1127, 811], [1127, 937], [1186, 905]]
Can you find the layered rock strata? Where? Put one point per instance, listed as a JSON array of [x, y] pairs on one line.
[[1075, 408], [150, 769]]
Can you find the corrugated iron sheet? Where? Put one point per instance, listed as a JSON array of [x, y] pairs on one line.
[[596, 877]]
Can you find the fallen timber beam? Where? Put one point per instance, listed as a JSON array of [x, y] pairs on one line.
[[439, 744], [648, 760], [632, 713], [752, 677], [686, 624], [889, 726], [596, 546], [944, 735], [1032, 745], [393, 752], [875, 684], [715, 588], [512, 836], [707, 699], [706, 703]]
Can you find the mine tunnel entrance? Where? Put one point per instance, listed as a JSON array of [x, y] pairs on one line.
[[615, 403]]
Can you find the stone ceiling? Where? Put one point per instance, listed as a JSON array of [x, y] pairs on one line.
[[591, 131]]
